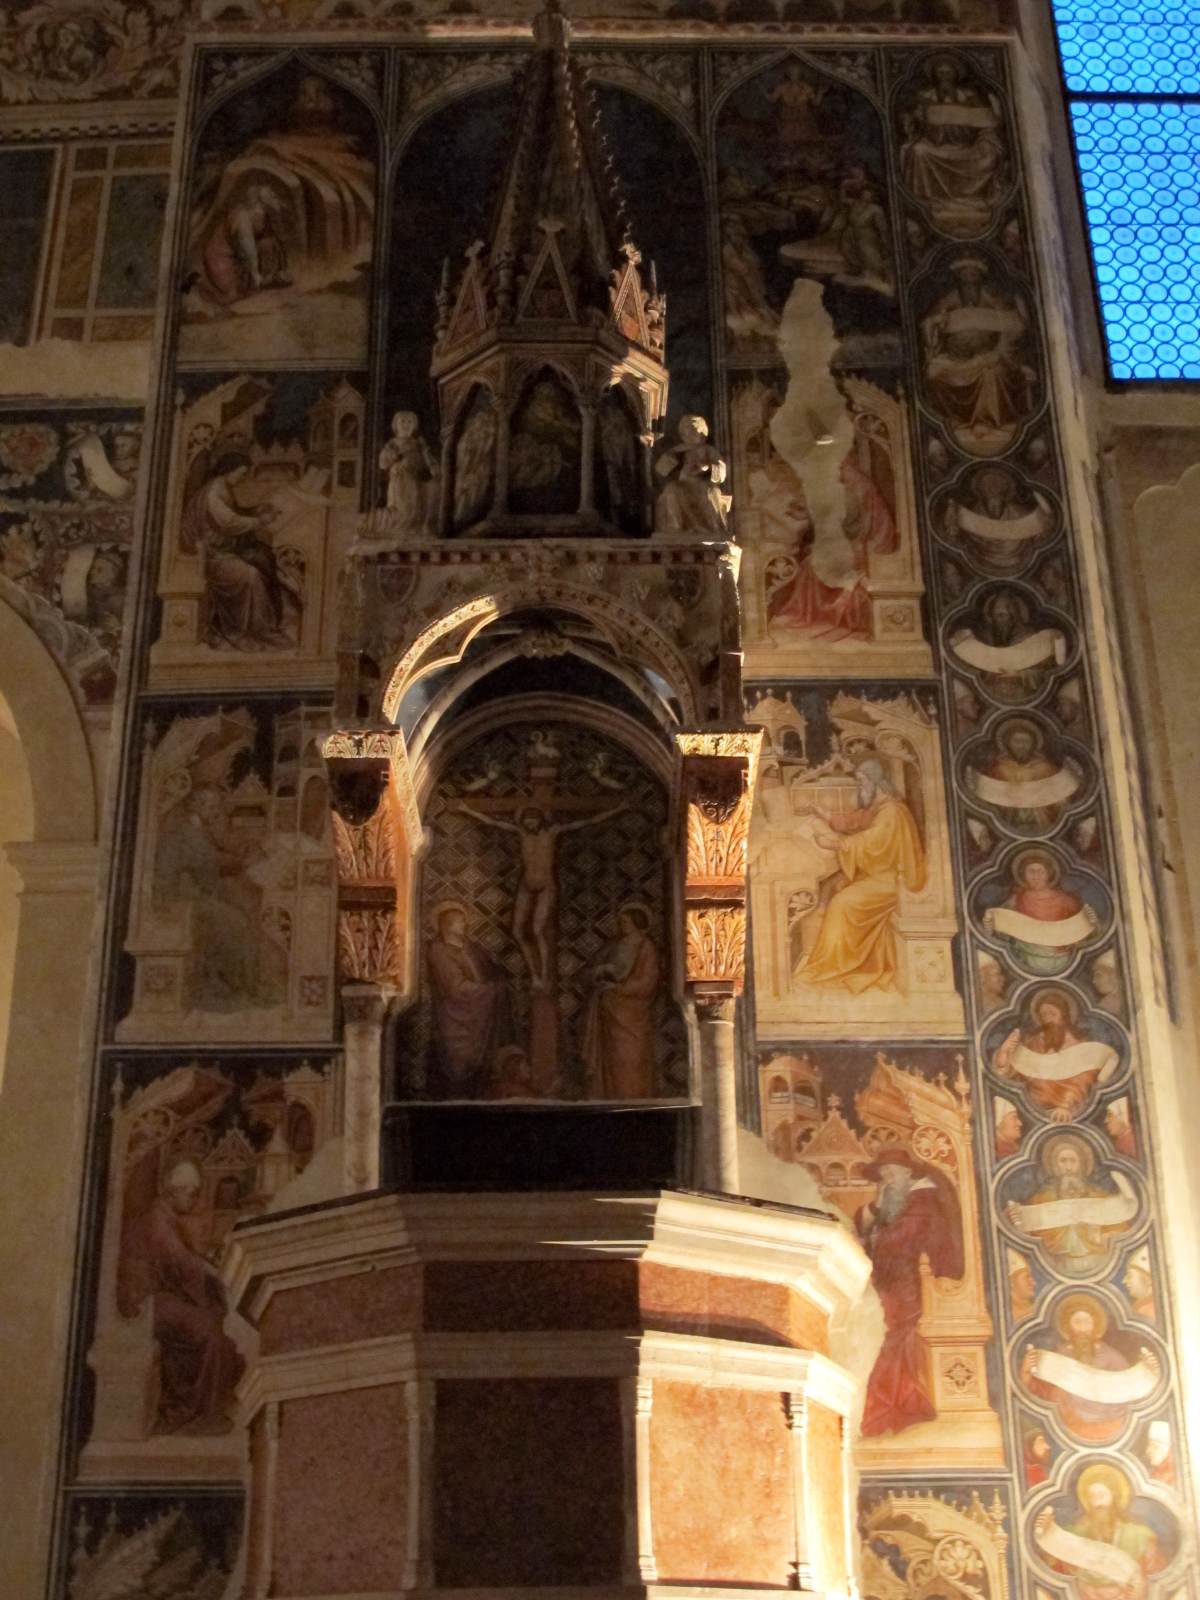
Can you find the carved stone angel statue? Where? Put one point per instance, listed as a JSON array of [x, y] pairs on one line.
[[412, 474], [691, 500]]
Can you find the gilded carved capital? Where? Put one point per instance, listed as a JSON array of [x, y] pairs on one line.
[[716, 949], [718, 769], [371, 854], [368, 945]]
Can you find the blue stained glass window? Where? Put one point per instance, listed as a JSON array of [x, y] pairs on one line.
[[1128, 49], [1139, 165]]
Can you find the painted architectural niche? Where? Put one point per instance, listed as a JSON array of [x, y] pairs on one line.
[[282, 221], [231, 924], [193, 1149], [851, 881], [263, 491], [890, 1147]]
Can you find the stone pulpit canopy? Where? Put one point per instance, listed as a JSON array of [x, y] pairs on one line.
[[553, 1346], [550, 345]]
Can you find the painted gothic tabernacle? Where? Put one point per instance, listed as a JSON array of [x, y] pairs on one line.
[[619, 1020]]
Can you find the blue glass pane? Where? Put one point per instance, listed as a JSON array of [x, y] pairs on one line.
[[1140, 166], [1129, 49]]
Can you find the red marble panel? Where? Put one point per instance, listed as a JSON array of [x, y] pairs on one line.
[[360, 1305], [731, 1308], [526, 1296], [528, 1482], [341, 1493], [720, 1478]]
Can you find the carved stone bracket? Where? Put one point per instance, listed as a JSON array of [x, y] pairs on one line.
[[717, 775]]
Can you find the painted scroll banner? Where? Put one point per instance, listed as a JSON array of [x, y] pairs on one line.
[[1090, 1055], [1006, 530], [1046, 644], [1094, 1383], [1089, 1555], [959, 116], [983, 319], [1057, 935], [1098, 1211], [1037, 792]]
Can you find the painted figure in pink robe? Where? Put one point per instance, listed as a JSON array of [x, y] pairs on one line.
[[619, 1030], [294, 209], [244, 587], [199, 1364], [244, 251], [470, 1008]]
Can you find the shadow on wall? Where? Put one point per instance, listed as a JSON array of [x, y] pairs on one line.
[[857, 1343]]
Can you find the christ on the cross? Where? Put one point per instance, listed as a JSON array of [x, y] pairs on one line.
[[537, 894]]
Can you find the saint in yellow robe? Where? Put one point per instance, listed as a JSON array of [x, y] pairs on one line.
[[856, 944]]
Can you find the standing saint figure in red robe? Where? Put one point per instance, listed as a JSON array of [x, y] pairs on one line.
[[915, 1214]]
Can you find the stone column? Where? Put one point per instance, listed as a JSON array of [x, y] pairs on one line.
[[372, 854], [364, 1006], [587, 458], [716, 1015], [717, 785], [41, 1158]]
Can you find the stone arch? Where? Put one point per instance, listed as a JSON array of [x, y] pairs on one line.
[[51, 850], [46, 722], [428, 707], [445, 641]]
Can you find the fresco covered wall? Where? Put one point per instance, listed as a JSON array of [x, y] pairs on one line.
[[940, 1030]]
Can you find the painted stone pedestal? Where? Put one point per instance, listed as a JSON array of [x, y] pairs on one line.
[[594, 1394]]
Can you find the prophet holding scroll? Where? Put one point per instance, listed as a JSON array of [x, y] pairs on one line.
[[1022, 778], [1042, 921], [1088, 1381], [952, 158], [974, 372], [1109, 1553], [1073, 1218], [1056, 1064], [1004, 646]]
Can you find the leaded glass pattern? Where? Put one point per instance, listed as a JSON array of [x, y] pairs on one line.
[[1128, 49], [1138, 163]]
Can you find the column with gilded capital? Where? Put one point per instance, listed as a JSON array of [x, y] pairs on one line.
[[367, 773], [718, 770]]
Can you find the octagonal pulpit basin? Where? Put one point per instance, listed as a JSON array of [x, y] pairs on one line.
[[594, 1392]]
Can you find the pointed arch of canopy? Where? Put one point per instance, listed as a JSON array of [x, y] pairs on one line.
[[638, 647]]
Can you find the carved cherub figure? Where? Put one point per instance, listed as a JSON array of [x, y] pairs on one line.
[[411, 472], [692, 498]]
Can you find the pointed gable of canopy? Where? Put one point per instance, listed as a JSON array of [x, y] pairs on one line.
[[559, 249], [549, 349]]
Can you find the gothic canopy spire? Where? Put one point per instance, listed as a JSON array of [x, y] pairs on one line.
[[560, 248]]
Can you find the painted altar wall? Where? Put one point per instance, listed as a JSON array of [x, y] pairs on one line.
[[863, 246]]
